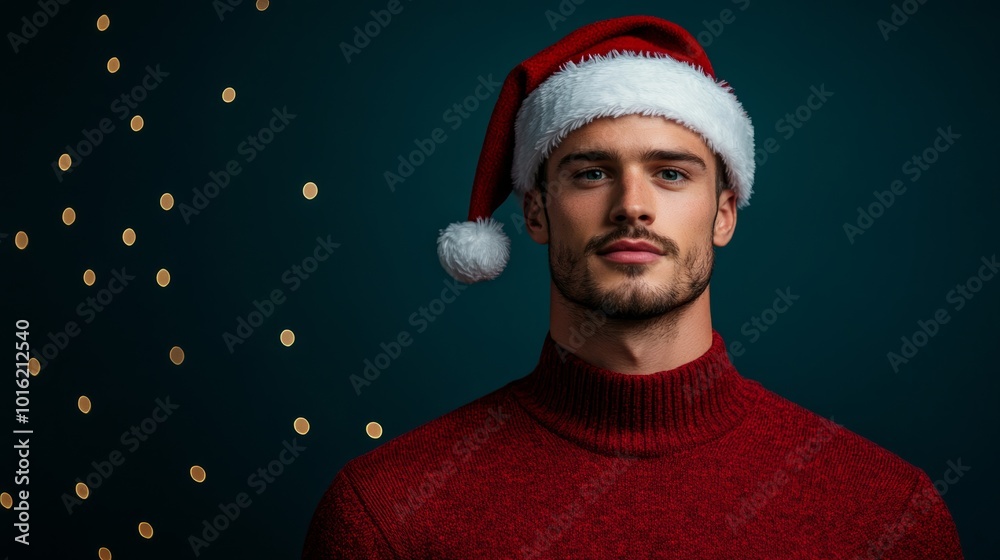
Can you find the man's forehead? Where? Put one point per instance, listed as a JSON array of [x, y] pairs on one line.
[[636, 132]]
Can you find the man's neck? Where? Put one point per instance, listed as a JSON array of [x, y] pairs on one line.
[[632, 346]]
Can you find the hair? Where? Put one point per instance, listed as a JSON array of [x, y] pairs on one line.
[[721, 176]]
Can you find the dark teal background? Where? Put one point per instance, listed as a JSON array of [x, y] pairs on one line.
[[827, 352]]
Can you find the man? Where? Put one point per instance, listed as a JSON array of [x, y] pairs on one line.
[[634, 436]]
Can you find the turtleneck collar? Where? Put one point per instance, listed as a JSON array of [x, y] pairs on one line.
[[636, 414]]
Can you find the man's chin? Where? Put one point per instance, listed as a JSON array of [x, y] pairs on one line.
[[631, 280], [606, 269]]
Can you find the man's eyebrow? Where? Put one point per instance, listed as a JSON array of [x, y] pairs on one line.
[[649, 155], [674, 155], [589, 155]]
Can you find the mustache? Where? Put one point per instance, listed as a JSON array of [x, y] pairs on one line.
[[668, 246]]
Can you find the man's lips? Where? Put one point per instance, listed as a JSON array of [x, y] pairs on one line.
[[631, 246], [631, 252]]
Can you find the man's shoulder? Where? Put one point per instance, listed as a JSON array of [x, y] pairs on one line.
[[807, 441], [438, 441], [823, 475], [373, 498]]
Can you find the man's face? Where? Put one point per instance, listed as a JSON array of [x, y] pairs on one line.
[[634, 178]]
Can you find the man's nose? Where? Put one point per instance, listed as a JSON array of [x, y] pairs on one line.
[[634, 202]]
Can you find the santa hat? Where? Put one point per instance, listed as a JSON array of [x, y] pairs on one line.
[[629, 65]]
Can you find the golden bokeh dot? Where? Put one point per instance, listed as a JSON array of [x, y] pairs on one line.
[[89, 277], [21, 240], [69, 216], [301, 426], [228, 95], [82, 490], [146, 530], [103, 22], [287, 337], [84, 404], [114, 64], [136, 123], [6, 501], [103, 553], [310, 190], [374, 430], [197, 474], [163, 277], [65, 162], [177, 355], [34, 366], [262, 5], [128, 236], [166, 201]]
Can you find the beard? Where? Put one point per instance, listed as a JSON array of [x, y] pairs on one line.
[[638, 296]]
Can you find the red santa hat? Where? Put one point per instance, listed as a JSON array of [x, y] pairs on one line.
[[630, 65]]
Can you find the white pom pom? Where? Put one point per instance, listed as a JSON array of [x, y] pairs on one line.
[[474, 251]]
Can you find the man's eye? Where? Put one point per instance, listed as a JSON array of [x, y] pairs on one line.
[[591, 174], [672, 175]]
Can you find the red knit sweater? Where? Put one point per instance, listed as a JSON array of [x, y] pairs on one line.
[[575, 461]]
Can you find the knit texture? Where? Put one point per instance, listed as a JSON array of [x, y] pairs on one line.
[[576, 461]]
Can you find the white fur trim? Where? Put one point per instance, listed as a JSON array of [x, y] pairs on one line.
[[474, 251], [624, 83]]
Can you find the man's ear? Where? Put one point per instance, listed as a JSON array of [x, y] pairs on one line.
[[725, 218], [534, 216]]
